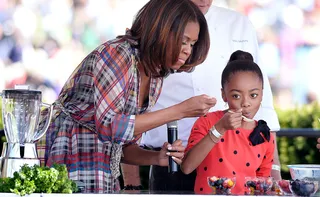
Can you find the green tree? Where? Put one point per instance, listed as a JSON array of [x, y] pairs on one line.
[[298, 150]]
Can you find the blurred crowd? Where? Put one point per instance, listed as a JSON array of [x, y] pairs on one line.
[[42, 41], [288, 32]]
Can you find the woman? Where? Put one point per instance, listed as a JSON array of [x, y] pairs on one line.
[[103, 106]]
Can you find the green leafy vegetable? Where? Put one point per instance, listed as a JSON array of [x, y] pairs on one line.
[[40, 180]]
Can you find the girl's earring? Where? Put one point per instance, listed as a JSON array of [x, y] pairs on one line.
[[261, 104], [226, 105]]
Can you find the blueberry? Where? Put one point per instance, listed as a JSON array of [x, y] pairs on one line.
[[295, 185], [252, 184], [265, 187], [219, 182], [308, 188]]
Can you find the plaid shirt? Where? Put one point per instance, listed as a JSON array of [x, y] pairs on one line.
[[94, 116]]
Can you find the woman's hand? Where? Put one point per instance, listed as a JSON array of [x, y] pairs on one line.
[[176, 156], [229, 121], [196, 106]]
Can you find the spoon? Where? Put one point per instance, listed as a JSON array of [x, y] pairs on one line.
[[243, 117]]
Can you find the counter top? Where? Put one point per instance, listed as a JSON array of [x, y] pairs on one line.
[[104, 195], [134, 193]]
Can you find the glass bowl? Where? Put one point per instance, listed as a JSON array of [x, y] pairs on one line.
[[284, 186], [221, 185], [304, 187], [301, 171], [258, 185]]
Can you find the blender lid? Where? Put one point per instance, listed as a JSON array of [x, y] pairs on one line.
[[21, 93]]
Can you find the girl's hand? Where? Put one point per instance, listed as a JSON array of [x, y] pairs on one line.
[[176, 156], [229, 121], [318, 144], [196, 106]]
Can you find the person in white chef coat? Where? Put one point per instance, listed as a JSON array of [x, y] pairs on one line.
[[229, 31]]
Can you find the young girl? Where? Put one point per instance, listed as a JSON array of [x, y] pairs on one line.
[[229, 143]]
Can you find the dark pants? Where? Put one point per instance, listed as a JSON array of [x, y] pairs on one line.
[[160, 179]]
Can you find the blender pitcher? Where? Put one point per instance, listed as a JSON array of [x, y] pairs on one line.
[[20, 112]]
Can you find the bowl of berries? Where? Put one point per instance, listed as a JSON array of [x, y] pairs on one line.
[[284, 186], [258, 185], [303, 187], [221, 185]]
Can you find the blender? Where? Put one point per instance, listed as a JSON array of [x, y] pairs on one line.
[[20, 112]]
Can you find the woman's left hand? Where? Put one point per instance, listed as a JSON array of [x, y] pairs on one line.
[[177, 156]]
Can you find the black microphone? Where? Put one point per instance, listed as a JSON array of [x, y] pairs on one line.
[[172, 136]]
